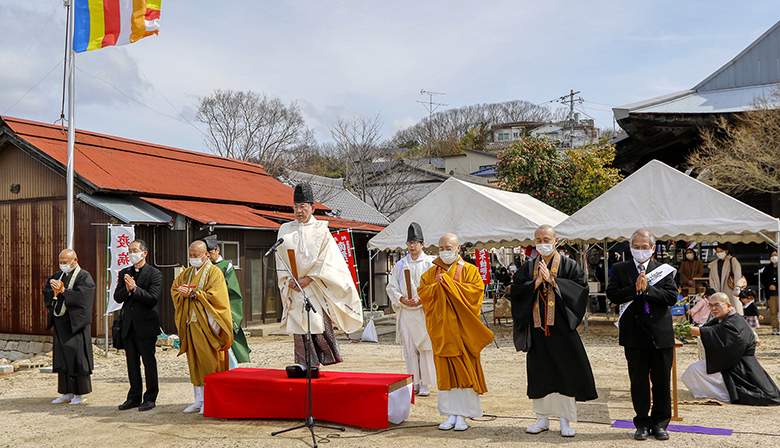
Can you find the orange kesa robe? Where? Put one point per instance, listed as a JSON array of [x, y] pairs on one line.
[[452, 316]]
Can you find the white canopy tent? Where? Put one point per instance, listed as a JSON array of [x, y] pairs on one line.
[[484, 216], [673, 206]]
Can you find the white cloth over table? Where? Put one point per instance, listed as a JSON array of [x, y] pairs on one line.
[[398, 403]]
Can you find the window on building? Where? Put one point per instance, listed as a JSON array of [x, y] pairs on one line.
[[229, 251]]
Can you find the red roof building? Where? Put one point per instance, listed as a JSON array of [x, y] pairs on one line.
[[171, 195]]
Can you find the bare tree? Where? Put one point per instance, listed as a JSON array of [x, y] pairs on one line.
[[255, 128], [452, 125], [358, 144], [743, 154]]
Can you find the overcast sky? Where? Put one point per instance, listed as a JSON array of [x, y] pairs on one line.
[[348, 58]]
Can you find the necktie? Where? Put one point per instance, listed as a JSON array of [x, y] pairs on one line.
[[647, 305]]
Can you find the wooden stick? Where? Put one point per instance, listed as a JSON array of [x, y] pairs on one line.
[[293, 265], [408, 278]]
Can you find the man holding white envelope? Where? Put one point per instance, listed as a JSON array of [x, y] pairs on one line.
[[646, 332]]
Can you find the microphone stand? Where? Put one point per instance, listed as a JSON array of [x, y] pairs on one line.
[[309, 422]]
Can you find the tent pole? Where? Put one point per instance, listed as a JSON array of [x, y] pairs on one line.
[[370, 285]]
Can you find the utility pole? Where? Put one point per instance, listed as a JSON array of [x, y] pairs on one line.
[[570, 99], [431, 107]]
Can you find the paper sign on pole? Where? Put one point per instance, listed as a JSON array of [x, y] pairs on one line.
[[483, 264], [121, 237]]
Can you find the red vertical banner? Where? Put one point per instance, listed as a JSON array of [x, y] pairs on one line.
[[483, 264], [344, 242]]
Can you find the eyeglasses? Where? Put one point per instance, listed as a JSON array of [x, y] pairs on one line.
[[713, 305]]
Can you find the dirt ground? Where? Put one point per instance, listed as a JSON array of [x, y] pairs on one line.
[[27, 417]]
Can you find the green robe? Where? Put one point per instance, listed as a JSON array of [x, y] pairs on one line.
[[240, 347]]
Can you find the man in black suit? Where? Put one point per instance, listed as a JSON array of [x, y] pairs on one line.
[[139, 289], [646, 334]]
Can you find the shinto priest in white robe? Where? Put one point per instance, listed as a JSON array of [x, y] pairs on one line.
[[410, 321]]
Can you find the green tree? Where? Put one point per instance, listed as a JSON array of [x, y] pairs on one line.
[[565, 180], [476, 138], [592, 174]]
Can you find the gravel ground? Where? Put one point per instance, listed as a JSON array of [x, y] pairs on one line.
[[27, 418]]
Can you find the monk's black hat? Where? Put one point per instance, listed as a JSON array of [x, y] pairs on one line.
[[211, 242], [303, 194], [414, 233]]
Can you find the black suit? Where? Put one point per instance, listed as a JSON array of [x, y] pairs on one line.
[[647, 335], [140, 327]]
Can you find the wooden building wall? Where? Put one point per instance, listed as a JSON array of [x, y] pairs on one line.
[[32, 234]]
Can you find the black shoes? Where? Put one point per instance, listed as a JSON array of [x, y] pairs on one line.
[[146, 405], [642, 434], [128, 405], [660, 433]]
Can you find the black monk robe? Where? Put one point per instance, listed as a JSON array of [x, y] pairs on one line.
[[72, 341], [558, 362], [731, 348]]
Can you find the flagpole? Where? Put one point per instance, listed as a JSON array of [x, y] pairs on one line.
[[71, 127]]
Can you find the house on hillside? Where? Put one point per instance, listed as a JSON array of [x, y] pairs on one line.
[[475, 163], [171, 196]]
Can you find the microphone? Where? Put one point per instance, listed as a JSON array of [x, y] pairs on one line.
[[273, 248]]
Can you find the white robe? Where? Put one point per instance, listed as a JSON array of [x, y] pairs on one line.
[[332, 289], [410, 321], [703, 384]]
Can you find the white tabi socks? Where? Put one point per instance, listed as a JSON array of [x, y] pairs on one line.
[[566, 429], [542, 424], [198, 405], [63, 399], [449, 423]]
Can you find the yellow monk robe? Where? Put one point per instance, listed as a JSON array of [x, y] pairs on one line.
[[206, 350], [452, 313]]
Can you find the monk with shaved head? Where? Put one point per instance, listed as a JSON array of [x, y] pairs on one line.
[[451, 293], [69, 295], [203, 318]]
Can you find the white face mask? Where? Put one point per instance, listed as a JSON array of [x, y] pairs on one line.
[[641, 255], [720, 255], [196, 262], [773, 259], [136, 258], [545, 249], [689, 256], [66, 268], [448, 256]]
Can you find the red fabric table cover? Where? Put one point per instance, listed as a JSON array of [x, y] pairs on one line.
[[357, 399]]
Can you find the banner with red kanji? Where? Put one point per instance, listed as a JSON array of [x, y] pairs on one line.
[[344, 241], [120, 239], [483, 264]]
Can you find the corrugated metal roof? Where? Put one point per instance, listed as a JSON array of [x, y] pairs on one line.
[[115, 164], [224, 214], [733, 88], [717, 101], [129, 210]]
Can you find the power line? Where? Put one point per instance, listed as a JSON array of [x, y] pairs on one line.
[[136, 101], [31, 88], [158, 91]]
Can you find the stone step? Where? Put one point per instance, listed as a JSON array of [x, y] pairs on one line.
[[6, 369]]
